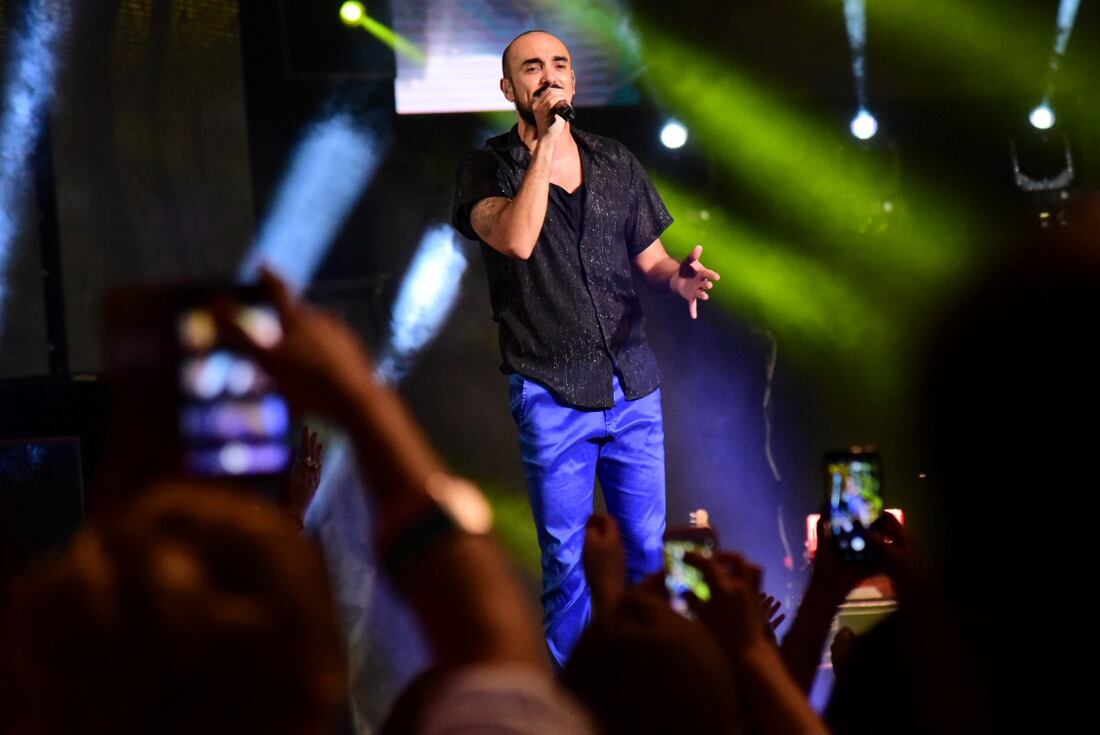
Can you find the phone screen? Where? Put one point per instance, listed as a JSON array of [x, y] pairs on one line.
[[232, 419], [681, 577], [854, 488]]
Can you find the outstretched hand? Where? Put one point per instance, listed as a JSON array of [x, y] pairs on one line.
[[694, 280]]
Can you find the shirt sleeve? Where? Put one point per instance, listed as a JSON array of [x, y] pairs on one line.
[[649, 216], [477, 178]]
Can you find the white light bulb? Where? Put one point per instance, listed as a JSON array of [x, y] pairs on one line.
[[864, 125], [1042, 117], [674, 134]]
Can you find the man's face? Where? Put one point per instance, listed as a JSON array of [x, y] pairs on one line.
[[537, 61]]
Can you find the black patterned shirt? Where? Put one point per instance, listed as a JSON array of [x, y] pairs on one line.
[[569, 315]]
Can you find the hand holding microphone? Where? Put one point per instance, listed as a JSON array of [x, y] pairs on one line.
[[565, 111], [562, 109]]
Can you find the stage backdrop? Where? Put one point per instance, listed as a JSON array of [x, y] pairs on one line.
[[151, 152]]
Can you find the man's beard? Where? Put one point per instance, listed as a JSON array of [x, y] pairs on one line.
[[527, 114]]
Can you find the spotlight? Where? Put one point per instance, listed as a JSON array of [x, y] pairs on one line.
[[864, 125], [674, 134], [427, 296], [332, 167], [28, 90], [1042, 117], [352, 12]]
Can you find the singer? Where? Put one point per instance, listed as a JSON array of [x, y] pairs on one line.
[[563, 217]]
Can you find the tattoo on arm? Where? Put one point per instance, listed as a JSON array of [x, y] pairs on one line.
[[484, 216]]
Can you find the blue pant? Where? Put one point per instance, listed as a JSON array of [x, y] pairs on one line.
[[564, 450]]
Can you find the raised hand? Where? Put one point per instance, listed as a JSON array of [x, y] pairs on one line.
[[770, 606], [550, 126], [830, 572], [694, 280], [604, 562], [733, 614]]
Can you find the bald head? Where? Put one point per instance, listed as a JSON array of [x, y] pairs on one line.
[[505, 58]]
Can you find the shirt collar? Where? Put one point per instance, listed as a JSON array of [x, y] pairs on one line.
[[512, 143]]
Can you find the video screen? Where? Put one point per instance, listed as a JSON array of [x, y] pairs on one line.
[[462, 41]]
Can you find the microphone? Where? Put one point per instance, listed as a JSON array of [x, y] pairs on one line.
[[563, 109]]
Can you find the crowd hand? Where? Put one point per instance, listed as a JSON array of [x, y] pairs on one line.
[[694, 280], [735, 618], [604, 562], [305, 473], [832, 574], [770, 606], [895, 556], [319, 363], [733, 613], [892, 556], [831, 581]]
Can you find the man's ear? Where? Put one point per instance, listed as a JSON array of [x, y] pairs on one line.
[[573, 76], [508, 90]]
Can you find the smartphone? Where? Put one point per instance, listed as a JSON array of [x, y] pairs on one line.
[[854, 494], [231, 417], [681, 577]]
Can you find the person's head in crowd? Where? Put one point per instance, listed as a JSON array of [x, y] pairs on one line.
[[641, 667], [194, 610]]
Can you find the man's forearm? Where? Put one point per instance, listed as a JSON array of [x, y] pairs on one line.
[[514, 229], [659, 277]]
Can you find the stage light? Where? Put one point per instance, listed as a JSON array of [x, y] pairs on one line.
[[330, 170], [855, 20], [674, 134], [28, 89], [424, 301], [352, 12], [1067, 16], [1042, 117], [864, 125]]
